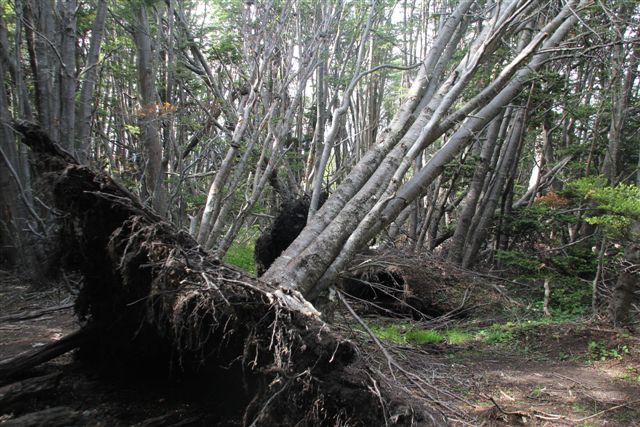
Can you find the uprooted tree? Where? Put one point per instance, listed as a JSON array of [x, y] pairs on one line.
[[153, 299], [151, 291]]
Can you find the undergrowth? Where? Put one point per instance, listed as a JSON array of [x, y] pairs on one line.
[[496, 334], [241, 255]]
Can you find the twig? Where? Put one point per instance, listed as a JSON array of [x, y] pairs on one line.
[[597, 414], [392, 363], [33, 314], [519, 414]]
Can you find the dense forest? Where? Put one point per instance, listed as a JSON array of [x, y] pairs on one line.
[[147, 144]]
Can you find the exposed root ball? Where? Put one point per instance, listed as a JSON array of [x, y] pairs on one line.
[[156, 303]]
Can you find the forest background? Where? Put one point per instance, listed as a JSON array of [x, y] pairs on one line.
[[498, 135]]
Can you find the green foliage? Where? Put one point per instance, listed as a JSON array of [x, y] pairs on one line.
[[403, 333], [424, 336], [497, 333], [395, 333], [615, 208], [519, 260], [599, 351], [570, 298], [458, 337]]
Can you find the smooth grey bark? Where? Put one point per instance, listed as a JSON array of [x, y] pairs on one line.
[[621, 90], [388, 138], [337, 117], [10, 212], [40, 32], [318, 133], [17, 234], [90, 72], [12, 63], [507, 159], [461, 232], [315, 267]]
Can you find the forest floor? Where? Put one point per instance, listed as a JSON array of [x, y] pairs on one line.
[[509, 372]]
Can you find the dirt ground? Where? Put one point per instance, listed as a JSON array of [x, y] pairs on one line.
[[578, 374], [561, 374]]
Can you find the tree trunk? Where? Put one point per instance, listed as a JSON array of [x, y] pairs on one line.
[[67, 79], [153, 190], [460, 236], [83, 132], [486, 214], [367, 201]]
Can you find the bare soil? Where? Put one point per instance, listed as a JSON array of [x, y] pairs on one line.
[[561, 374]]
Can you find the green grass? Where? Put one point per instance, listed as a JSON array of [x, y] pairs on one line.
[[425, 336], [496, 334], [241, 255], [458, 337], [402, 333]]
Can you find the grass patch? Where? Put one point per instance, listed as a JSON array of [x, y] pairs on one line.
[[458, 337], [241, 255], [424, 336], [393, 333], [496, 334], [402, 333]]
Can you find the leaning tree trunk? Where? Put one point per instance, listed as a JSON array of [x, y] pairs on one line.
[[153, 299], [375, 192]]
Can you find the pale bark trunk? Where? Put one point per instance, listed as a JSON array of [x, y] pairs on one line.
[[216, 190], [488, 210], [42, 61], [619, 108], [337, 117], [313, 267], [367, 166], [461, 233]]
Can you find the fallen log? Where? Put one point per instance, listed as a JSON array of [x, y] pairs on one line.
[[14, 395], [23, 362], [156, 302]]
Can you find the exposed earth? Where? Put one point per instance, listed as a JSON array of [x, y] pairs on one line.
[[580, 373]]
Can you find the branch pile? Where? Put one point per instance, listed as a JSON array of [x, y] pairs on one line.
[[153, 300]]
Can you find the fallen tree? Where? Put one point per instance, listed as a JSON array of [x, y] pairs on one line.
[[154, 301]]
